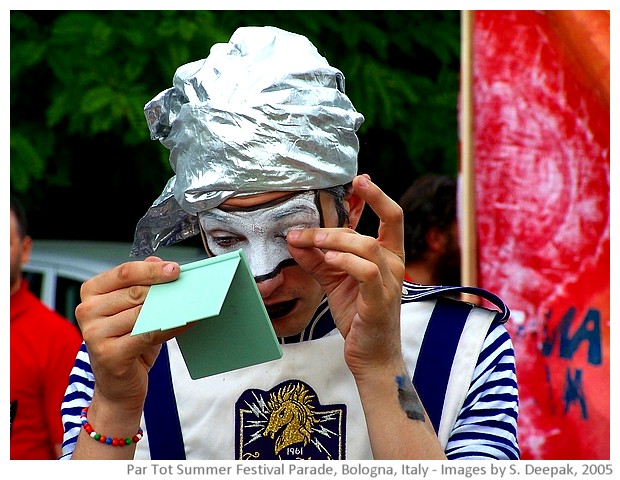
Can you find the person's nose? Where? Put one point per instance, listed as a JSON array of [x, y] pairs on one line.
[[269, 285]]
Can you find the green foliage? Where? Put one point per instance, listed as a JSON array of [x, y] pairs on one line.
[[32, 167], [80, 79]]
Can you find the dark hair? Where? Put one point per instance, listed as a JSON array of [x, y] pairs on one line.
[[339, 193], [430, 201], [20, 214]]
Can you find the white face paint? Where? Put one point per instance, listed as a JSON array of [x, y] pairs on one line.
[[260, 231]]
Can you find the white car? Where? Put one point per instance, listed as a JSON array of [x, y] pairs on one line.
[[57, 268]]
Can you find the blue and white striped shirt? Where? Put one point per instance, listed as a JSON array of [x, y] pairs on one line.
[[485, 426]]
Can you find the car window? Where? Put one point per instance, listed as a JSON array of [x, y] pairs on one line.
[[57, 268], [67, 297]]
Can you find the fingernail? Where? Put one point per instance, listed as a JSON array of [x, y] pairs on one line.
[[169, 268], [320, 237], [363, 181], [294, 234]]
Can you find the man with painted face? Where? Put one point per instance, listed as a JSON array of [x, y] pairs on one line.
[[263, 144]]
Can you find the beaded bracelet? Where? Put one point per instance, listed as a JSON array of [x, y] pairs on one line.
[[116, 442]]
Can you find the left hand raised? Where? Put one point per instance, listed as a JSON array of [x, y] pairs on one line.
[[362, 277]]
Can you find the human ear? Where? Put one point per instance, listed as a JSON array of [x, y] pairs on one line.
[[26, 249], [436, 239]]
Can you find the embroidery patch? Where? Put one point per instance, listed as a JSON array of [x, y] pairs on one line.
[[288, 423]]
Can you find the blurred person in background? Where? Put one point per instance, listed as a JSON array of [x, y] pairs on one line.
[[432, 249], [43, 349]]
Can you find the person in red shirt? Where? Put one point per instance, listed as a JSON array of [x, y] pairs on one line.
[[43, 349]]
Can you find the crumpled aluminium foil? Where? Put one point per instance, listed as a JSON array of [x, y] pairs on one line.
[[263, 112]]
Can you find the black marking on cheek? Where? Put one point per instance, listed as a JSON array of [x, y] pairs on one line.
[[284, 263], [409, 400], [205, 244]]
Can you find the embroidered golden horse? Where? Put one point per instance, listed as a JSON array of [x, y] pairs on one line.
[[291, 412]]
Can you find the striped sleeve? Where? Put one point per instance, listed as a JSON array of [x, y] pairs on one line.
[[486, 427], [78, 395]]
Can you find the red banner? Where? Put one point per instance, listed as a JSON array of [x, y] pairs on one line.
[[542, 182]]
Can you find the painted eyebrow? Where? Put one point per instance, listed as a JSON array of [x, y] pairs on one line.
[[217, 214], [221, 214], [294, 210]]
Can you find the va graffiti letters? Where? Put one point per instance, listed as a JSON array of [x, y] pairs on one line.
[[588, 335]]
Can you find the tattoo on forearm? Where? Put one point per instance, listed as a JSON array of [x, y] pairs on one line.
[[409, 400]]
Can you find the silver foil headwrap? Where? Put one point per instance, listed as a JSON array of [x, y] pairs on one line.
[[263, 112]]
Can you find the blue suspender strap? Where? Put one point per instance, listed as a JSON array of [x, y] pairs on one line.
[[422, 292], [504, 312], [160, 413], [437, 354]]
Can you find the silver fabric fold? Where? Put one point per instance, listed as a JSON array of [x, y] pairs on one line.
[[263, 112]]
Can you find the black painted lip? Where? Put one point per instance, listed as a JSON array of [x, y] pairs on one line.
[[282, 309]]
